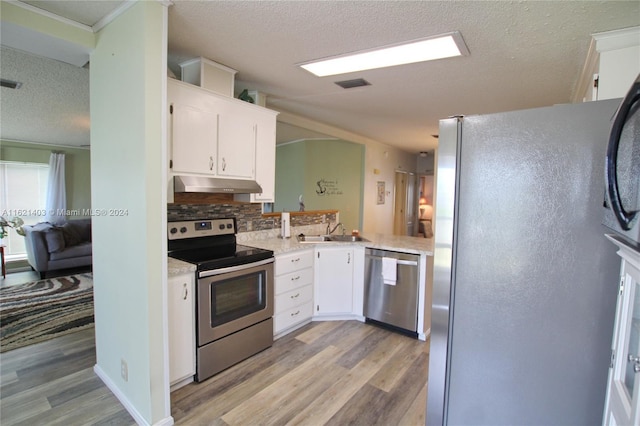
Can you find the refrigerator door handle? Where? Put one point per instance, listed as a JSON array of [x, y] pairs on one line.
[[627, 107]]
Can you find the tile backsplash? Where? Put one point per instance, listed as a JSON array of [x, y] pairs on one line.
[[248, 216]]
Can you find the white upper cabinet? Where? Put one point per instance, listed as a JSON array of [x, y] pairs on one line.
[[194, 130], [266, 158], [614, 60], [209, 75], [237, 142], [218, 136]]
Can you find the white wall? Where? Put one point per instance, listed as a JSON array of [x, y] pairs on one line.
[[425, 165], [381, 163], [128, 168]]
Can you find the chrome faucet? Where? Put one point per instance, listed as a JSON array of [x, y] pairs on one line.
[[331, 231]]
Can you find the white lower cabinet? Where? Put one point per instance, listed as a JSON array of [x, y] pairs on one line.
[[293, 290], [334, 278], [182, 345]]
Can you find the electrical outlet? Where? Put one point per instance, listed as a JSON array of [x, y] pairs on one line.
[[124, 370]]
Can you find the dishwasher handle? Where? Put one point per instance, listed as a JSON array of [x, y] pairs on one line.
[[399, 262]]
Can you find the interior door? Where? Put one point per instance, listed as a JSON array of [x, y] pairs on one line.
[[622, 406], [412, 205], [400, 204]]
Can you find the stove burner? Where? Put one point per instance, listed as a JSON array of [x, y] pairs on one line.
[[214, 258], [211, 244]]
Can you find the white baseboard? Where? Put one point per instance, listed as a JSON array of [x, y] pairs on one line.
[[167, 421], [338, 317], [286, 331], [424, 336], [181, 383]]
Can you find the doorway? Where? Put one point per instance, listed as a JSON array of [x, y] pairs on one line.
[[425, 206], [405, 208]]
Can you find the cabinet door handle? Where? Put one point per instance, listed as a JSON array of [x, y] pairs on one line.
[[296, 296], [224, 164], [186, 291], [296, 278], [293, 314], [348, 258], [210, 163]]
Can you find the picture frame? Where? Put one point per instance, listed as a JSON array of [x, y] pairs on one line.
[[381, 192]]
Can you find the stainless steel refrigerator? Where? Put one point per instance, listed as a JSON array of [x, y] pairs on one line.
[[524, 282]]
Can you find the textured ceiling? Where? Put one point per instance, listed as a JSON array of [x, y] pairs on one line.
[[524, 54], [52, 106]]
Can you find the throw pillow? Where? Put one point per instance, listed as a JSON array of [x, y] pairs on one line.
[[55, 240], [71, 237]]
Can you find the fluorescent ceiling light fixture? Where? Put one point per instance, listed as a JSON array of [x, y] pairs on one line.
[[428, 49]]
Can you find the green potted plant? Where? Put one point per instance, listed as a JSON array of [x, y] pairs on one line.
[[15, 223]]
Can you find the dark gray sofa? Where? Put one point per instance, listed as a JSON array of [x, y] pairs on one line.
[[53, 247]]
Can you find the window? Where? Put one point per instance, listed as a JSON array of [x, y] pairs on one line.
[[23, 193]]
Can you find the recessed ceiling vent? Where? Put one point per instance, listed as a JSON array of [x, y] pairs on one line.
[[350, 84], [10, 84]]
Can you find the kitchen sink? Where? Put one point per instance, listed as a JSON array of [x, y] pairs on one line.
[[313, 238], [329, 238], [347, 238]]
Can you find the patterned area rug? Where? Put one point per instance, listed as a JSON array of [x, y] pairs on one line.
[[41, 310]]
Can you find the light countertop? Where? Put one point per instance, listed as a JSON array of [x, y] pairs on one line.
[[414, 245], [178, 267]]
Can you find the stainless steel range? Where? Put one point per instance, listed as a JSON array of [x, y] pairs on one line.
[[234, 292]]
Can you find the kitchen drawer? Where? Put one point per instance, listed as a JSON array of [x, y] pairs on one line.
[[295, 279], [292, 316], [293, 298], [293, 261]]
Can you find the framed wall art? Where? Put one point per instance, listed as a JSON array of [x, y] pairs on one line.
[[380, 192]]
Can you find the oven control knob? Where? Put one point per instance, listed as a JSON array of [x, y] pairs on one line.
[[229, 226], [183, 229], [173, 230], [221, 226]]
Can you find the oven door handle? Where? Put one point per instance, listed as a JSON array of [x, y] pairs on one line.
[[236, 268]]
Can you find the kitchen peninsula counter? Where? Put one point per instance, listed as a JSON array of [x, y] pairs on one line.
[[413, 245]]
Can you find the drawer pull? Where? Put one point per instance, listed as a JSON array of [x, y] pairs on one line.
[[296, 278], [293, 314], [295, 260], [295, 296]]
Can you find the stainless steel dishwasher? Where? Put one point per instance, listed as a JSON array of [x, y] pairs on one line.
[[395, 302]]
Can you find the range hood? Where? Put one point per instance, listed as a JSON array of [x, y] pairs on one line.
[[215, 185]]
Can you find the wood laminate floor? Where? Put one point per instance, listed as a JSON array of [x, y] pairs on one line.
[[334, 373], [16, 278], [53, 383]]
